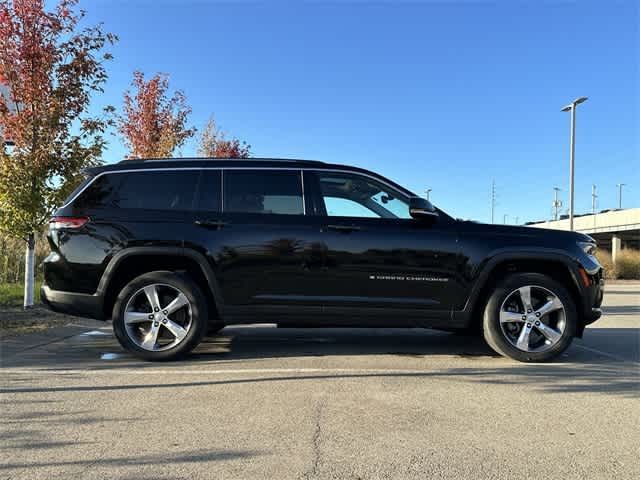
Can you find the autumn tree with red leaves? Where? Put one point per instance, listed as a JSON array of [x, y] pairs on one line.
[[213, 144], [152, 123], [51, 67]]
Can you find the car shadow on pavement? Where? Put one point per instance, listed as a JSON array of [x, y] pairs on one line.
[[581, 369]]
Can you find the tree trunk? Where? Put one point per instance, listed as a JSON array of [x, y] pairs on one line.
[[29, 271]]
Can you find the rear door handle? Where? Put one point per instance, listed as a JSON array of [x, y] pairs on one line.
[[217, 224], [344, 228]]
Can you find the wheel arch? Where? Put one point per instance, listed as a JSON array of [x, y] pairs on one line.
[[134, 261], [557, 266]]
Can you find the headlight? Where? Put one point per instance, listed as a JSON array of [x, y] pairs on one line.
[[588, 247]]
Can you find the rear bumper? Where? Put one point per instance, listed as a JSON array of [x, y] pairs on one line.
[[71, 303]]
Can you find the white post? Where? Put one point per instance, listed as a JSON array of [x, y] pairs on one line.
[[616, 246], [29, 271]]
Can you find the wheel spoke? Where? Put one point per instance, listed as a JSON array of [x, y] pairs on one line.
[[137, 317], [510, 317], [152, 296], [177, 303], [550, 334], [525, 296], [151, 338], [523, 339], [176, 330], [550, 306]]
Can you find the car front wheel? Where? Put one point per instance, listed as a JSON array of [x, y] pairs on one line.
[[530, 317], [160, 316]]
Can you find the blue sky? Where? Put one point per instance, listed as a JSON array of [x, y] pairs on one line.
[[445, 95]]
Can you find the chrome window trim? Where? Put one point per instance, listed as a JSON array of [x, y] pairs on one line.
[[304, 200], [301, 169], [221, 191]]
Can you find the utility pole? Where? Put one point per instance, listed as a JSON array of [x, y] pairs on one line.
[[504, 218], [572, 108], [493, 199], [620, 185], [428, 191], [593, 199], [557, 204], [516, 222]]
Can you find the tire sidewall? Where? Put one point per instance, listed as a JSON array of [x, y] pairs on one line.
[[198, 314], [491, 321]]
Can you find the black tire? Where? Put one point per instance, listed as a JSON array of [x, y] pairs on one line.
[[197, 304], [492, 330]]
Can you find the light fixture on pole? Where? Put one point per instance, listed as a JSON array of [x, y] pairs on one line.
[[428, 191], [572, 108]]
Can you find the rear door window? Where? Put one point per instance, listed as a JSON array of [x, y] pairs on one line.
[[263, 191]]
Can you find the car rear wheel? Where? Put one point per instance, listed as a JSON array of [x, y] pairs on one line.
[[160, 316], [530, 317]]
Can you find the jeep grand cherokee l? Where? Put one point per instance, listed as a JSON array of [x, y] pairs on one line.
[[172, 249]]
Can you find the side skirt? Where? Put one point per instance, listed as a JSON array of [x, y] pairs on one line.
[[305, 316]]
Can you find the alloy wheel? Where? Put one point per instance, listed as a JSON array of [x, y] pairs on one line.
[[158, 317], [532, 318]]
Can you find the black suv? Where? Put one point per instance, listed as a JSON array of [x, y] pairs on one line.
[[173, 249]]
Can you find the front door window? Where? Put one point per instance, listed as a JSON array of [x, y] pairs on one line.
[[353, 195]]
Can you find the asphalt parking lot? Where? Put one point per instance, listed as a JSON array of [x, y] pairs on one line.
[[263, 402]]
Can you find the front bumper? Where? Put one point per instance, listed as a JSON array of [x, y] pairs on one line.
[[593, 296], [71, 303]]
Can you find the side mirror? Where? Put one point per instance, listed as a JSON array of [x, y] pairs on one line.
[[421, 208]]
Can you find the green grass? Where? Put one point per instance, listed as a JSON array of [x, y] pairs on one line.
[[11, 294]]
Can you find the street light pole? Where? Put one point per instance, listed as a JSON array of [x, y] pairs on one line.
[[620, 185], [428, 191], [572, 108]]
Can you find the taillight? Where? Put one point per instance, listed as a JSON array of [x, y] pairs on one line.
[[67, 222]]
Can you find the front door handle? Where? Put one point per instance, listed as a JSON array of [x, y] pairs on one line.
[[217, 224], [344, 228]]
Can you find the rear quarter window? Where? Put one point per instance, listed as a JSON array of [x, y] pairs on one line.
[[162, 190]]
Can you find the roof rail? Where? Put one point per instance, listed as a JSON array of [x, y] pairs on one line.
[[195, 159]]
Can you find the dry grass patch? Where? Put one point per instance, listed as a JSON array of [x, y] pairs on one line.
[[627, 266]]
